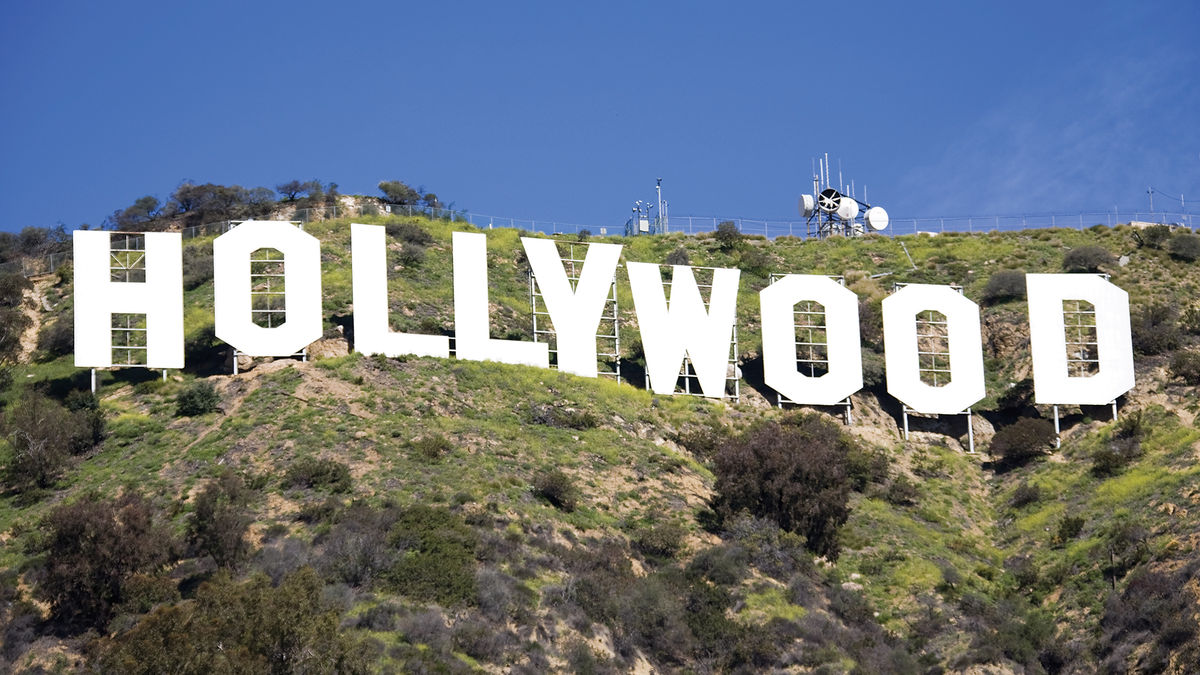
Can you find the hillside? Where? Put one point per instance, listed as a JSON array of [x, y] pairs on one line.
[[367, 514]]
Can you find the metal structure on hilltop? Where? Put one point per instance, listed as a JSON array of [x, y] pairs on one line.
[[829, 210], [641, 223]]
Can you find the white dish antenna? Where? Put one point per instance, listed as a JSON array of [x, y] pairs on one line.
[[847, 209], [807, 205], [877, 218]]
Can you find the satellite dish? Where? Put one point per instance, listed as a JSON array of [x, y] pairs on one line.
[[807, 205], [828, 200], [847, 209], [877, 218]]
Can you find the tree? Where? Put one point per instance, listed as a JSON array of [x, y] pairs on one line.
[[43, 435], [143, 211], [13, 321], [290, 190], [1004, 285], [1086, 259], [92, 546], [398, 192], [796, 475], [1023, 440]]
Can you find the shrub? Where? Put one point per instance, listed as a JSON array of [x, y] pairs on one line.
[[1004, 285], [728, 236], [432, 446], [411, 255], [660, 540], [43, 435], [1152, 236], [198, 398], [562, 418], [901, 492], [1186, 366], [220, 519], [796, 476], [249, 627], [1086, 259], [309, 472], [1026, 438], [57, 338], [678, 257], [197, 267], [356, 550], [557, 488], [1185, 246], [437, 563], [409, 233], [1155, 329], [1068, 528], [1025, 494], [92, 546]]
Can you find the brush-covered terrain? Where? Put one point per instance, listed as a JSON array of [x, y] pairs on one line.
[[370, 514]]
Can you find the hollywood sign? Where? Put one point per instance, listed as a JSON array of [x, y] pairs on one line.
[[673, 328]]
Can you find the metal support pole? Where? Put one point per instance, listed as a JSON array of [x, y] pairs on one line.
[[235, 354], [1114, 407], [1057, 430], [970, 433], [93, 380], [905, 413], [164, 374], [849, 419]]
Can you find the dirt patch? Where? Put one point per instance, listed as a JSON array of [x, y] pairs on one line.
[[34, 306]]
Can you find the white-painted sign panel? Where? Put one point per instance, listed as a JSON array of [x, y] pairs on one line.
[[1052, 382], [966, 384], [368, 246], [777, 303], [575, 313], [302, 290], [471, 316], [97, 298], [685, 328]]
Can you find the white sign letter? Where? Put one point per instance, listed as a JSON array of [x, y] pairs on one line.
[[842, 345], [686, 328], [575, 313], [903, 363], [368, 247], [97, 298], [1052, 383], [471, 335], [302, 288]]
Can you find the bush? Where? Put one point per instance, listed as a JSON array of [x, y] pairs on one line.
[[356, 550], [1004, 285], [92, 546], [901, 492], [437, 563], [1025, 494], [1068, 528], [249, 627], [1028, 437], [796, 476], [557, 488], [57, 338], [198, 398], [43, 435], [1185, 246], [678, 257], [728, 236], [432, 446], [1152, 236], [197, 267], [660, 540], [1086, 259], [309, 472], [1186, 366], [562, 418], [220, 519], [1155, 329], [409, 233]]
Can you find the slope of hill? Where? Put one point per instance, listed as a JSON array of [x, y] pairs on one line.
[[408, 515]]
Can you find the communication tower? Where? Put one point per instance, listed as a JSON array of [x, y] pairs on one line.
[[641, 222], [830, 210]]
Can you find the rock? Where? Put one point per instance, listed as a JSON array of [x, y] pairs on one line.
[[328, 348], [851, 586]]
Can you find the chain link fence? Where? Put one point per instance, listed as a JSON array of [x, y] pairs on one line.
[[689, 225]]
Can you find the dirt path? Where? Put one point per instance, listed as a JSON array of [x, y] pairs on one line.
[[34, 306]]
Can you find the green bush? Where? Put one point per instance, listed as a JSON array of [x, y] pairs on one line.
[[1155, 329], [557, 488], [409, 233], [1184, 246], [1004, 285], [1025, 494], [198, 398], [728, 236], [677, 257], [43, 435], [197, 267], [310, 472], [1086, 259], [660, 540], [437, 563], [1023, 440], [57, 338], [1185, 365], [1153, 236], [796, 475], [432, 446]]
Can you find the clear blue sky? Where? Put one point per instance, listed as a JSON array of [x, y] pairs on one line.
[[565, 111]]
